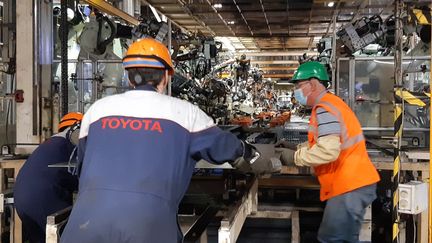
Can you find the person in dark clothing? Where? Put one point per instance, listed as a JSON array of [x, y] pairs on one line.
[[39, 190]]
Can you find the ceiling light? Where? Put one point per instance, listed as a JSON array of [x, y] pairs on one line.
[[330, 4], [230, 22], [217, 5], [164, 18]]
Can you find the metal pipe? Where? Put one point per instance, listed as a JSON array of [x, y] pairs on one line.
[[80, 84], [336, 87], [265, 16], [335, 12], [64, 58], [430, 152], [36, 78], [243, 17], [276, 62], [351, 83], [404, 58], [333, 54], [109, 61], [274, 53], [128, 6], [94, 84], [169, 48], [89, 61]]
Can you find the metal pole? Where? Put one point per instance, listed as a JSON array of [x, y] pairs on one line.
[[430, 150], [398, 120], [169, 48], [333, 55], [37, 101], [64, 58]]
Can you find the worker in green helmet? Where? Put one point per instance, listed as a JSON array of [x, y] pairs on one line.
[[336, 150]]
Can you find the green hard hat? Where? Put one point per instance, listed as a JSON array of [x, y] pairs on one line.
[[310, 70]]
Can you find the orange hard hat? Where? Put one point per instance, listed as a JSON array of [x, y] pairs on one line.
[[69, 119], [148, 53]]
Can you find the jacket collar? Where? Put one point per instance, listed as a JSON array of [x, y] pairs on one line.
[[146, 87]]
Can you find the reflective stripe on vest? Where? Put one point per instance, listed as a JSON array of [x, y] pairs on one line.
[[351, 141], [346, 141]]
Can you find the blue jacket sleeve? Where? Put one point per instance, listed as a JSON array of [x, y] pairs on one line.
[[215, 146], [212, 144]]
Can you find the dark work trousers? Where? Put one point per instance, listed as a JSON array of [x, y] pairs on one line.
[[40, 191]]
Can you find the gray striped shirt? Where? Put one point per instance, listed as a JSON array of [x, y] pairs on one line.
[[327, 123]]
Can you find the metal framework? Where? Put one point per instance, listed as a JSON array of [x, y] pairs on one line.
[[81, 78]]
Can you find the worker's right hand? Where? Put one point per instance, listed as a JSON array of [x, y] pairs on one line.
[[250, 155], [258, 159], [242, 165]]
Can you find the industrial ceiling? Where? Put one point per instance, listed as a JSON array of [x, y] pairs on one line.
[[269, 24], [287, 28]]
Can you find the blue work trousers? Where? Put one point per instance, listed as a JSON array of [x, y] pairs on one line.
[[343, 215], [108, 216]]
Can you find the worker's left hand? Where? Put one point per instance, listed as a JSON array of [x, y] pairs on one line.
[[285, 144], [286, 155]]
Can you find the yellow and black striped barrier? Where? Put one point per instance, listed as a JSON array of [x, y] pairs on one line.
[[401, 96], [398, 122], [422, 16], [413, 98]]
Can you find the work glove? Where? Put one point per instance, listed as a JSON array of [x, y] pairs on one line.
[[286, 155], [286, 151], [258, 159], [285, 144], [73, 134], [250, 155]]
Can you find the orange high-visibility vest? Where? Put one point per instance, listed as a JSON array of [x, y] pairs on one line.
[[353, 168]]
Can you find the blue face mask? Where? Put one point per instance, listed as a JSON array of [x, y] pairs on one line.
[[298, 95]]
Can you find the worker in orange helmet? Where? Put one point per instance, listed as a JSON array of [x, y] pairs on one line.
[[138, 153], [39, 190], [336, 149]]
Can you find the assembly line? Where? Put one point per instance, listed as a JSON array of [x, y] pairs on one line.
[[215, 121]]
